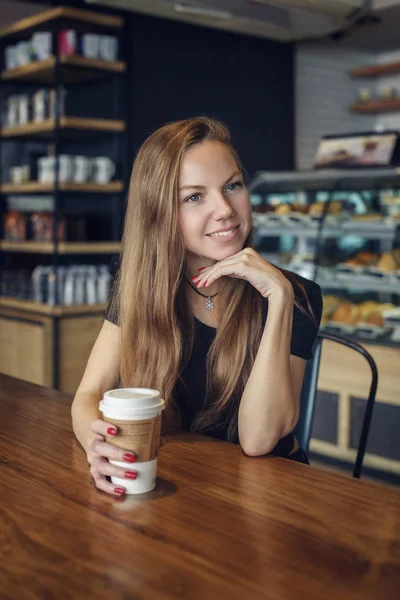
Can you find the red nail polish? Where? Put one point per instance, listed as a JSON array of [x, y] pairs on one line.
[[196, 277], [130, 474], [111, 431], [202, 268], [129, 458], [119, 491]]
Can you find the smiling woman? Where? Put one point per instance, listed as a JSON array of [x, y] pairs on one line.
[[195, 312], [215, 221]]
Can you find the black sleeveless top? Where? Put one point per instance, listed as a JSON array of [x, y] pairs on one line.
[[190, 393]]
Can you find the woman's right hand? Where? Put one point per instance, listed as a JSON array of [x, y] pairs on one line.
[[99, 451]]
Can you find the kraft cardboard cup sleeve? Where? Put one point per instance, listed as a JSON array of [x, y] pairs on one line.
[[137, 414]]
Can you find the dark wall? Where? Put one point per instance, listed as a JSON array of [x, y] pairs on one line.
[[180, 70]]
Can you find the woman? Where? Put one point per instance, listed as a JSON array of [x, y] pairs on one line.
[[196, 313]]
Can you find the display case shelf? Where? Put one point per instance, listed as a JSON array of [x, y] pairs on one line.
[[300, 232], [382, 233], [324, 179], [359, 286]]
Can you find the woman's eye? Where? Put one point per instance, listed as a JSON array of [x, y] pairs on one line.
[[234, 186], [193, 199]]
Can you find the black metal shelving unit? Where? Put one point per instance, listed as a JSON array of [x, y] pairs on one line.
[[99, 89]]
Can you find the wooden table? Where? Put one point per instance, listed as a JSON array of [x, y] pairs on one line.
[[219, 525]]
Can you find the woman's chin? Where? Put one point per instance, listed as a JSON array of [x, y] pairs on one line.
[[227, 251]]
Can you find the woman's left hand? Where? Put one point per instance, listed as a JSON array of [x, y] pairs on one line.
[[249, 265]]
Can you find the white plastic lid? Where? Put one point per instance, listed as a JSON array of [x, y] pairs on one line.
[[132, 399]]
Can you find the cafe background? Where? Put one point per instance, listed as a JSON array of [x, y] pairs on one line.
[[122, 73]]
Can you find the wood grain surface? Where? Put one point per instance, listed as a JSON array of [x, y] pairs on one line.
[[219, 524]]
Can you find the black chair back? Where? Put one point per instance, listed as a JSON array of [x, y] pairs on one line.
[[309, 395]]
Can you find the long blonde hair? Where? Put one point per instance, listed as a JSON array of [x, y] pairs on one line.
[[157, 327]]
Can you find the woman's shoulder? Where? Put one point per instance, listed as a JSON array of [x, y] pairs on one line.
[[307, 293], [303, 286]]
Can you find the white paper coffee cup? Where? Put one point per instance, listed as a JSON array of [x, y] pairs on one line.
[[136, 412]]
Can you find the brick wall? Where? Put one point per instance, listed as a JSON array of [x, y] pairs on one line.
[[324, 92]]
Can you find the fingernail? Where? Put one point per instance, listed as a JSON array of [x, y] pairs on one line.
[[130, 474], [196, 277], [202, 268], [119, 491], [111, 431], [129, 458]]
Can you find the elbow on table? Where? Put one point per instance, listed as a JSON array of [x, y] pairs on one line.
[[260, 446], [258, 449]]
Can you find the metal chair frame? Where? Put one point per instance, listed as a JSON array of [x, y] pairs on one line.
[[309, 395]]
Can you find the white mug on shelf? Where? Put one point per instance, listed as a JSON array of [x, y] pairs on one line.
[[16, 175], [47, 168], [108, 47], [103, 169], [82, 169], [23, 109], [90, 45], [11, 57]]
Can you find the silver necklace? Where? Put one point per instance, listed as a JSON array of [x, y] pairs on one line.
[[209, 304]]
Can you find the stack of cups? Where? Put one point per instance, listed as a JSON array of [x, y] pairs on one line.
[[136, 412]]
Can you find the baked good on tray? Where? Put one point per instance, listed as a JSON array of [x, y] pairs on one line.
[[330, 304], [346, 313], [387, 262], [282, 209], [362, 316]]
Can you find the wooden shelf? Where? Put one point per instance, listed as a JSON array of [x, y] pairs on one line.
[[74, 69], [62, 12], [69, 126], [35, 187], [33, 247], [377, 106], [47, 309], [376, 70], [349, 455]]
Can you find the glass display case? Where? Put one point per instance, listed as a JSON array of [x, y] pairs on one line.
[[342, 229]]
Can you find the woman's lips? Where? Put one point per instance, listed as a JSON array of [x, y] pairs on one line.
[[225, 236]]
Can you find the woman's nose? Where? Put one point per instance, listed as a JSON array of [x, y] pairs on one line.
[[222, 208]]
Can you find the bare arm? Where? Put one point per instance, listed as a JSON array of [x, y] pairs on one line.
[[269, 407], [101, 374]]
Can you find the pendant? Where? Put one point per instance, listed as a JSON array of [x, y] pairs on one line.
[[209, 304]]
